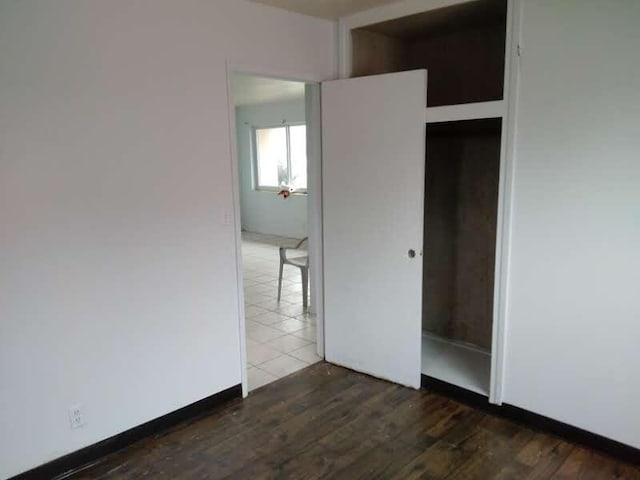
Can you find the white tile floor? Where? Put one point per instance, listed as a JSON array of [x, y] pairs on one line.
[[281, 337]]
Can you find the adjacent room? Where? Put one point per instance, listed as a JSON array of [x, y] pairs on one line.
[[272, 163]]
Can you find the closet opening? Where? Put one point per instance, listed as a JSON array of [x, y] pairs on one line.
[[461, 203], [462, 46]]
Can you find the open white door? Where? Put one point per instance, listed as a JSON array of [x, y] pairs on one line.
[[373, 143]]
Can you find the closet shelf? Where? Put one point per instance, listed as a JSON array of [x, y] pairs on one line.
[[456, 363], [466, 111]]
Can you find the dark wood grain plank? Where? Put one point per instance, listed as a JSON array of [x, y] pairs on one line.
[[437, 416], [583, 464], [448, 453], [498, 441], [291, 434], [540, 458], [326, 422]]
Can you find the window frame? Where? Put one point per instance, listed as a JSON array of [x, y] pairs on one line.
[[254, 154]]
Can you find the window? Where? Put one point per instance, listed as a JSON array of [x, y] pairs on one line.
[[281, 157]]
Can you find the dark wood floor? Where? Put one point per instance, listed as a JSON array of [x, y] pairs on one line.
[[328, 422]]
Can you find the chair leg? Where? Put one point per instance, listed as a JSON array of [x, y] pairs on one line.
[[305, 287], [280, 281]]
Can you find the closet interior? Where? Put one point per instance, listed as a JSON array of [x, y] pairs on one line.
[[463, 48], [461, 198]]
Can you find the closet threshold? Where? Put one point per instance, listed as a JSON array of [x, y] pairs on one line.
[[465, 111], [462, 365]]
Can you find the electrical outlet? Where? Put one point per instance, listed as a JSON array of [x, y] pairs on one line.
[[76, 416], [227, 218]]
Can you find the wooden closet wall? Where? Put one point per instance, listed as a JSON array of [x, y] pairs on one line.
[[462, 47], [461, 191]]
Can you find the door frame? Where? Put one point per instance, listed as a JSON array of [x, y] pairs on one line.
[[314, 199], [505, 201]]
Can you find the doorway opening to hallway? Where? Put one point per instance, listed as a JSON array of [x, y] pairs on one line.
[[273, 175]]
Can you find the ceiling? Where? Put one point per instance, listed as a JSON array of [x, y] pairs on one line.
[[252, 90], [329, 9]]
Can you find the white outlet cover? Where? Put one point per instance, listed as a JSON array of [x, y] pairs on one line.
[[227, 218], [76, 416]]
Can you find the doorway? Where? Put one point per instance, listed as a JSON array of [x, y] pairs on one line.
[[278, 230]]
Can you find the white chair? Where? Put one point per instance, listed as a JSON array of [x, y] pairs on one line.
[[302, 262]]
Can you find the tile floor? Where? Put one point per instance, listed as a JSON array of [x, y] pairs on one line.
[[281, 337]]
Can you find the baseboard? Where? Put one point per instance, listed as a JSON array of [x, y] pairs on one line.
[[535, 421], [74, 462]]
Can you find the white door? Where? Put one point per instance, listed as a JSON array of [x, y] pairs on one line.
[[373, 157]]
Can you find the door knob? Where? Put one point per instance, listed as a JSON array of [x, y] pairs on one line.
[[411, 253]]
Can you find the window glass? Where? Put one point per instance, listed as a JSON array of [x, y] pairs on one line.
[[271, 145], [281, 157]]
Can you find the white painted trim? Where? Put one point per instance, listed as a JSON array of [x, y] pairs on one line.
[[237, 231], [505, 204], [264, 71], [466, 111], [344, 49], [376, 15], [314, 208]]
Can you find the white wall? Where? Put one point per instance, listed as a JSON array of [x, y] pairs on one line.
[[574, 308], [117, 272], [262, 211]]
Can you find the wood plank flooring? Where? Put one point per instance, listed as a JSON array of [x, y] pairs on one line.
[[328, 422]]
